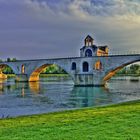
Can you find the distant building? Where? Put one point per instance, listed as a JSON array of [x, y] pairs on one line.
[[89, 49]]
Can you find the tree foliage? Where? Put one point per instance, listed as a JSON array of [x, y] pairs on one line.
[[53, 69], [7, 70], [132, 69], [11, 59]]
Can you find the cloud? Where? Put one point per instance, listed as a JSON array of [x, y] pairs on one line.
[[56, 28], [91, 7]]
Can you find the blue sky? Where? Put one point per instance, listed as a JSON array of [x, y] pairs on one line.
[[56, 28]]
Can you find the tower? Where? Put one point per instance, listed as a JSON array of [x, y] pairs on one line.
[[90, 49], [89, 41]]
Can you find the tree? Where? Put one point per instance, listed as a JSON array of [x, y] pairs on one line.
[[53, 69], [7, 70], [135, 69], [8, 59], [14, 60], [132, 69]]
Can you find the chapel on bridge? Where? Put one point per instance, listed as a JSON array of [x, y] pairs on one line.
[[90, 49]]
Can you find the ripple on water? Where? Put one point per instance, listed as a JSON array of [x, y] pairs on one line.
[[54, 95]]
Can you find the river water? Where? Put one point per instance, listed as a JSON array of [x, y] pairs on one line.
[[57, 94]]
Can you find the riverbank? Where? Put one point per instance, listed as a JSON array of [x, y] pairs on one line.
[[66, 75], [42, 75], [114, 122], [133, 75], [54, 75]]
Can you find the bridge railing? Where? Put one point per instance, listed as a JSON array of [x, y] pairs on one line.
[[134, 52], [111, 53]]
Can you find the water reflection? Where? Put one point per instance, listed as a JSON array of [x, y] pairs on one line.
[[22, 92], [35, 87], [2, 86], [10, 86], [60, 94], [91, 96]]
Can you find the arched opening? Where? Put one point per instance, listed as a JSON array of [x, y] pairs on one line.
[[22, 69], [5, 70], [98, 65], [88, 53], [122, 69], [85, 67], [50, 71], [73, 66], [35, 74]]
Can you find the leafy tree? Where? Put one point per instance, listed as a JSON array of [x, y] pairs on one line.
[[8, 59], [133, 69], [7, 70], [14, 60], [53, 69], [11, 59]]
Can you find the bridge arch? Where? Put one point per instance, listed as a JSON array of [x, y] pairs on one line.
[[111, 72], [34, 76], [2, 74]]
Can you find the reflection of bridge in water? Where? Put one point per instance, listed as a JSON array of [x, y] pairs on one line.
[[62, 94], [90, 96], [77, 96], [33, 86], [20, 98], [93, 68]]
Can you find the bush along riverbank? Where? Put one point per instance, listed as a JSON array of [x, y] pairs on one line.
[[116, 122]]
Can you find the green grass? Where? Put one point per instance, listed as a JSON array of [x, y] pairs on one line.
[[54, 75], [133, 75], [10, 75], [43, 75], [117, 122]]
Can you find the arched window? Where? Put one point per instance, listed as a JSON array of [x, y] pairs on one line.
[[73, 67], [22, 69], [98, 65], [88, 53], [85, 67]]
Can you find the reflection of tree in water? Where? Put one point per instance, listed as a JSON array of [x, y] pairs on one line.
[[89, 96]]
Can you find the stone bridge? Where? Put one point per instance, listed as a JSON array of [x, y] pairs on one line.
[[85, 71], [93, 68]]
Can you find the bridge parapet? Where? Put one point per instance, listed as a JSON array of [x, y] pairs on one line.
[[85, 71]]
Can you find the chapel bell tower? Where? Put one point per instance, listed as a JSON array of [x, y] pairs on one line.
[[89, 41]]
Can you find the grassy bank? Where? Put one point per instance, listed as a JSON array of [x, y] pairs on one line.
[[66, 75], [43, 75], [133, 75], [54, 75], [10, 75], [118, 122]]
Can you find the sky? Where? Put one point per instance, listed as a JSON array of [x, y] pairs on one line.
[[34, 29]]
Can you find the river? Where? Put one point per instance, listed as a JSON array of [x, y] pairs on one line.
[[57, 94]]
